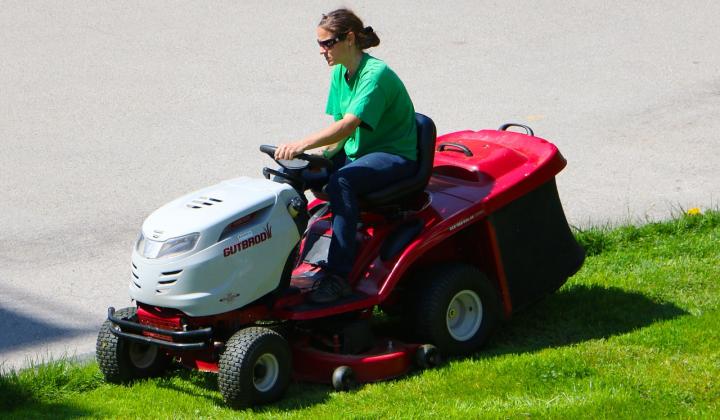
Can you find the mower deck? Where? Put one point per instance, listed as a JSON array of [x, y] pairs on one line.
[[387, 359]]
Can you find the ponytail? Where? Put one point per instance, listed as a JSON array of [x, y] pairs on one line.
[[367, 38]]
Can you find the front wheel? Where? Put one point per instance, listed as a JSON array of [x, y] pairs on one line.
[[255, 367], [457, 308], [122, 360]]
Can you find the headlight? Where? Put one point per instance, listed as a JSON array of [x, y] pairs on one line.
[[170, 248], [140, 243]]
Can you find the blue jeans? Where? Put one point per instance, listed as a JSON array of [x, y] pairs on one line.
[[345, 182]]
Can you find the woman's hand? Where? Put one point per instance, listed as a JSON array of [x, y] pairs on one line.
[[289, 151], [335, 132]]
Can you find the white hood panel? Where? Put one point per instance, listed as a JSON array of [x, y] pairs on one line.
[[205, 209], [222, 272]]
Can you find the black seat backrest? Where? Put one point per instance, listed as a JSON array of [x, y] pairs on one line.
[[426, 153]]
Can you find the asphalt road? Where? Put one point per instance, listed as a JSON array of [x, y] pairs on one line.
[[110, 109]]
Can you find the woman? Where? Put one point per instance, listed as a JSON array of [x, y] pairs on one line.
[[375, 126]]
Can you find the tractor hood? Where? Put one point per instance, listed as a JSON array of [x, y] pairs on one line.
[[211, 209], [234, 261]]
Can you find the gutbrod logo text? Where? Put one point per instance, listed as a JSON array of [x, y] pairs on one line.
[[249, 242]]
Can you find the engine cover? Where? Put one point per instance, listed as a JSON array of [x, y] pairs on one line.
[[246, 235]]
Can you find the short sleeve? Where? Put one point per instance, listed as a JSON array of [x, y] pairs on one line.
[[368, 104], [333, 102]]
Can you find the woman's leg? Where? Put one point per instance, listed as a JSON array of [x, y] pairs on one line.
[[369, 173]]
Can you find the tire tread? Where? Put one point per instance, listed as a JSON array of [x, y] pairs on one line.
[[233, 368]]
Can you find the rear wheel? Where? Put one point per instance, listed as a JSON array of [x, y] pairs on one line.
[[457, 308], [254, 368], [122, 360]]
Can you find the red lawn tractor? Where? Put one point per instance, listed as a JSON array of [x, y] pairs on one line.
[[220, 277]]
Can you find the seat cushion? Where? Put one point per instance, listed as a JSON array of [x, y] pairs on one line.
[[393, 193]]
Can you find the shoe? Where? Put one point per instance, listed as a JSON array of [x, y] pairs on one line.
[[331, 288]]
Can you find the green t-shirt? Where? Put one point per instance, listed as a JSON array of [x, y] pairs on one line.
[[377, 96]]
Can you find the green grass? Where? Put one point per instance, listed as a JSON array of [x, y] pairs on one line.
[[635, 334]]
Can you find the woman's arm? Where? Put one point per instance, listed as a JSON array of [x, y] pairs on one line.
[[339, 130]]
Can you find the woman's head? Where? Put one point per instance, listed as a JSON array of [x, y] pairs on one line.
[[344, 22], [341, 33]]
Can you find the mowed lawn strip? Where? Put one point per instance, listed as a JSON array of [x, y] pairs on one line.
[[634, 334]]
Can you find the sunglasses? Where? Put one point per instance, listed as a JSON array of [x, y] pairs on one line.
[[329, 43]]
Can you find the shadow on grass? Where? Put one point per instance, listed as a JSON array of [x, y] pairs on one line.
[[579, 313], [571, 315], [195, 381], [17, 400], [39, 410], [298, 395]]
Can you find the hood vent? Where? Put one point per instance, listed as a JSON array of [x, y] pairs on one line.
[[202, 202], [171, 273], [166, 282], [168, 278]]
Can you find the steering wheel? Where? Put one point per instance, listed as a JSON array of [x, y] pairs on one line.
[[301, 161]]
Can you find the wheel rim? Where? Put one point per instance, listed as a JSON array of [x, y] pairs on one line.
[[464, 315], [265, 372], [142, 355]]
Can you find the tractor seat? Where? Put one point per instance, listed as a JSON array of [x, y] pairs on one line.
[[393, 193]]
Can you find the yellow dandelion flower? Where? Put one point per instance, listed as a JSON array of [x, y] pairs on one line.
[[693, 211]]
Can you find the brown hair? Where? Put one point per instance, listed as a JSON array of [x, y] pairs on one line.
[[343, 21]]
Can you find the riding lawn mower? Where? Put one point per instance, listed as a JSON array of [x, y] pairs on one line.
[[220, 277]]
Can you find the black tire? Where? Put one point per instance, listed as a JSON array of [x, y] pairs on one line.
[[457, 330], [285, 329], [255, 367], [122, 360], [343, 379]]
